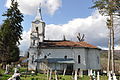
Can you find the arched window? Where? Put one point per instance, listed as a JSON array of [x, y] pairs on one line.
[[37, 29], [79, 61], [98, 59], [65, 57]]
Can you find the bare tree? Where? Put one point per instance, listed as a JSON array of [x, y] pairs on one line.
[[80, 38]]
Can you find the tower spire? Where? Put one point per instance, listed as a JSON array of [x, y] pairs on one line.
[[39, 15]]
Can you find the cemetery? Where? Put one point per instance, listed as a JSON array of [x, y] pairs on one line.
[[38, 76], [61, 58]]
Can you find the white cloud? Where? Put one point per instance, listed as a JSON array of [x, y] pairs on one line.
[[93, 27], [25, 43], [117, 47], [30, 6], [53, 5]]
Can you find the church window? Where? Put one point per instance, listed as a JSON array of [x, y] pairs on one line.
[[37, 29], [79, 61], [45, 56], [65, 57], [98, 59]]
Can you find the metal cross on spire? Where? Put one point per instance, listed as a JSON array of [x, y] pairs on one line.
[[39, 15]]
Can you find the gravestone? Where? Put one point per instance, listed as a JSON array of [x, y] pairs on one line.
[[98, 76], [50, 74], [81, 73], [64, 71], [109, 76], [6, 69], [90, 72], [56, 75], [75, 75], [114, 77], [94, 76], [15, 70]]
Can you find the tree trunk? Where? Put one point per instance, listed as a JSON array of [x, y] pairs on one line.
[[112, 51], [112, 43], [109, 51]]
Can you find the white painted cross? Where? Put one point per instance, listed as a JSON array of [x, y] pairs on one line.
[[6, 70], [114, 77], [47, 74], [98, 76], [75, 78], [81, 73], [56, 75], [50, 74], [15, 70], [109, 76], [94, 77], [90, 72], [64, 71]]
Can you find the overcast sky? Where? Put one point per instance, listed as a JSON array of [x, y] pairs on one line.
[[63, 17]]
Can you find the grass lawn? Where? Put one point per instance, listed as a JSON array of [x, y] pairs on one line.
[[66, 77], [44, 77]]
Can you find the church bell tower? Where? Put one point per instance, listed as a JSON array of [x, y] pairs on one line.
[[38, 29]]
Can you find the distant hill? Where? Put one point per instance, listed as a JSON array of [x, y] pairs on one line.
[[104, 60], [104, 54]]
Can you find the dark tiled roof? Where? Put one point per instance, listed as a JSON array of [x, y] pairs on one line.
[[66, 44]]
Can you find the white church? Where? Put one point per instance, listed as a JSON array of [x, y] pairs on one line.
[[59, 55]]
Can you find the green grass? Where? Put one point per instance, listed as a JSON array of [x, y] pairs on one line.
[[44, 77], [23, 69], [103, 78], [1, 71], [5, 77]]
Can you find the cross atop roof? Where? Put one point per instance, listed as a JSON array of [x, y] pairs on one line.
[[39, 15]]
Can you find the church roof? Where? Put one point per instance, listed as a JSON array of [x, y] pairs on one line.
[[62, 43]]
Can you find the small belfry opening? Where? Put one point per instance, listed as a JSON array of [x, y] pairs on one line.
[[37, 29]]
